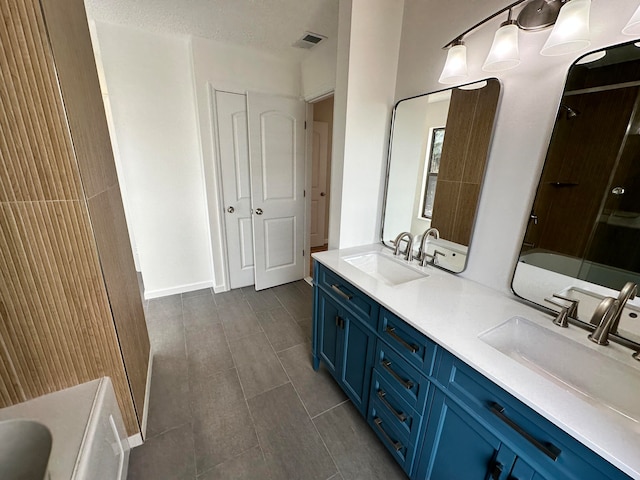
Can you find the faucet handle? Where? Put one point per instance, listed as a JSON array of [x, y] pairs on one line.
[[561, 319], [603, 317], [573, 308]]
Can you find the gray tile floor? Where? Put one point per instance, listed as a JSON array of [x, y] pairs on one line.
[[234, 396]]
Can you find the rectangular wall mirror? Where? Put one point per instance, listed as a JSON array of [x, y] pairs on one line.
[[437, 157], [583, 235]]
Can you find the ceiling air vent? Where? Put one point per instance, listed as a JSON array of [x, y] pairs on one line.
[[309, 40]]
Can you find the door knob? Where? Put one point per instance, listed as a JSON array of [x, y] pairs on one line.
[[322, 194], [231, 209], [258, 211]]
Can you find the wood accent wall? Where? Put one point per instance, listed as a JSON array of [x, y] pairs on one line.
[[70, 308], [464, 157], [582, 154]]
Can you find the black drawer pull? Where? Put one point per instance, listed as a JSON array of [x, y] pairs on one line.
[[392, 331], [408, 384], [336, 289], [548, 449], [400, 416], [396, 445]]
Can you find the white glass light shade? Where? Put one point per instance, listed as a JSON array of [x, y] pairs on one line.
[[504, 53], [571, 31], [633, 25], [455, 68]]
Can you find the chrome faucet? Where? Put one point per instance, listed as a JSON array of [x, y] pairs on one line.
[[422, 255], [628, 292], [603, 317], [397, 242]]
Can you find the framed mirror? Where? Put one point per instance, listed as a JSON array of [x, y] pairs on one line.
[[583, 236], [437, 158]]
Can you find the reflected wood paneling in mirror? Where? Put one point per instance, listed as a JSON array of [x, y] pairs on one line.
[[463, 162], [583, 234], [467, 116]]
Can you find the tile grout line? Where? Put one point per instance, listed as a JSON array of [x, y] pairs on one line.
[[331, 408], [186, 354], [244, 395], [335, 464]]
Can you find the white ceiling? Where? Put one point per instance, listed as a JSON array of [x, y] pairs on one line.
[[271, 25]]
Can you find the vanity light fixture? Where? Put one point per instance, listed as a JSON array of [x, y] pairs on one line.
[[504, 53], [571, 31], [570, 34], [455, 68]]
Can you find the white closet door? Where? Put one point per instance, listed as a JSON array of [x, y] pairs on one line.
[[231, 112], [276, 149]]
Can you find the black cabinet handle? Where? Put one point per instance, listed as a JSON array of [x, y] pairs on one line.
[[400, 416], [336, 289], [495, 470], [548, 449], [392, 332], [396, 445], [408, 384]]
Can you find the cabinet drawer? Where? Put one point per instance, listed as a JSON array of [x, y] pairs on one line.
[[552, 452], [411, 344], [408, 382], [348, 295], [392, 439], [385, 398]]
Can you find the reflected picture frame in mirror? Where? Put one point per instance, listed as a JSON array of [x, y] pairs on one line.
[[582, 239], [438, 151]]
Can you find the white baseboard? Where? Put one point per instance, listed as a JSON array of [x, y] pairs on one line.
[[220, 289], [163, 292], [147, 392], [135, 440], [309, 280]]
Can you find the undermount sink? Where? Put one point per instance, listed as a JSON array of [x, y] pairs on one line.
[[384, 268], [596, 378], [24, 450]]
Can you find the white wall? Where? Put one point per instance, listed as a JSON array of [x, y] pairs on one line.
[[530, 97], [151, 96], [365, 85], [319, 70], [233, 69]]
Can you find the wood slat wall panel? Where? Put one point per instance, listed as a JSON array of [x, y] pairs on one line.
[[71, 45], [112, 238], [68, 30], [55, 305], [32, 123], [57, 328]]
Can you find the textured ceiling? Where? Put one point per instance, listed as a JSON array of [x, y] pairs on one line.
[[271, 25]]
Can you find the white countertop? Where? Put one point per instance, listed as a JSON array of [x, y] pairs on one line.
[[453, 311]]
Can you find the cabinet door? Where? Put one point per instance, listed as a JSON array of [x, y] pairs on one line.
[[328, 334], [357, 361], [458, 446]]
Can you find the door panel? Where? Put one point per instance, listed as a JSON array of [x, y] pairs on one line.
[[231, 112], [276, 151], [357, 361], [328, 332], [319, 183]]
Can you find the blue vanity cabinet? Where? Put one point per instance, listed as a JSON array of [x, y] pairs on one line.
[[438, 417], [343, 339], [456, 445], [541, 450]]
